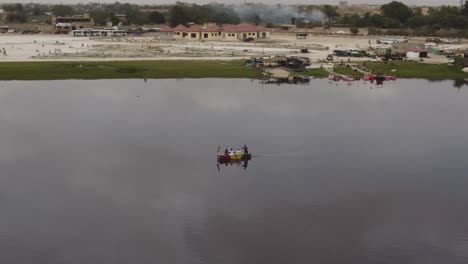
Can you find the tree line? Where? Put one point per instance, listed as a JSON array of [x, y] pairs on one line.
[[396, 15]]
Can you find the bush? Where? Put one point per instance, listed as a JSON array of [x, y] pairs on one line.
[[18, 17], [459, 62], [354, 30]]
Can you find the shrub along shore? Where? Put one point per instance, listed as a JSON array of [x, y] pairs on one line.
[[58, 70]]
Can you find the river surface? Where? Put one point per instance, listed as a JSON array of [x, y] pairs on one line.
[[125, 171]]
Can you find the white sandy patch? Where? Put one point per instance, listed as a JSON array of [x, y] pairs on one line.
[[69, 48]]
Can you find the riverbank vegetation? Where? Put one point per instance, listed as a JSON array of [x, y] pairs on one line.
[[202, 69], [125, 70], [408, 69]]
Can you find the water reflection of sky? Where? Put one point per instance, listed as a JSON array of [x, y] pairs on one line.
[[120, 171]]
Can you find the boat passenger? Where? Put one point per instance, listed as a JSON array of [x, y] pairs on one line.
[[231, 152], [246, 150], [226, 152], [239, 152]]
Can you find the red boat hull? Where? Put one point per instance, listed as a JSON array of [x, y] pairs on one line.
[[224, 158]]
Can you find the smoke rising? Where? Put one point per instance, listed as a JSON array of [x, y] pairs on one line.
[[277, 14]]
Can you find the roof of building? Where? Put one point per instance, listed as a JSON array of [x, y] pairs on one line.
[[194, 28], [211, 28], [180, 28], [166, 28], [243, 27]]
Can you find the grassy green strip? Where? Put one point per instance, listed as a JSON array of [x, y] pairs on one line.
[[125, 69], [200, 69], [348, 72], [316, 72], [409, 69]]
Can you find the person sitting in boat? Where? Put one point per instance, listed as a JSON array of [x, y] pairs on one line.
[[231, 152], [239, 152], [226, 152], [246, 150]]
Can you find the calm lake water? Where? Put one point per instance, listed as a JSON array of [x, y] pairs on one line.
[[123, 171]]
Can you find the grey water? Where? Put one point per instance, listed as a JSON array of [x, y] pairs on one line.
[[125, 171]]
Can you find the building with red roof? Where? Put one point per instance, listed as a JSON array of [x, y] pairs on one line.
[[214, 32], [244, 31], [166, 32]]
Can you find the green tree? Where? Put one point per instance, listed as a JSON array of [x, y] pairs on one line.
[[179, 14], [459, 62], [115, 20], [100, 16], [13, 7], [465, 9], [156, 18], [36, 10], [419, 21], [62, 10], [396, 10], [16, 17], [257, 20], [330, 12]]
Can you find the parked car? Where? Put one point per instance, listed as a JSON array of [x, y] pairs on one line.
[[248, 39]]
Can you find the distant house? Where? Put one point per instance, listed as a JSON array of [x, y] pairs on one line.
[[211, 32], [166, 33], [288, 27], [180, 32], [64, 25], [215, 32], [243, 31]]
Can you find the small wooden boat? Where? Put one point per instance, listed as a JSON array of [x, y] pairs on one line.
[[222, 158]]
